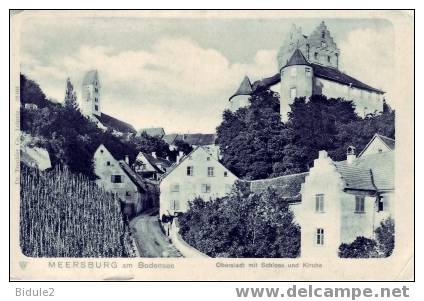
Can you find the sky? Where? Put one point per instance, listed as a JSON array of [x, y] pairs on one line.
[[178, 73]]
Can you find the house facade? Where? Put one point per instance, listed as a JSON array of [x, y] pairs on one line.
[[309, 65], [117, 177], [199, 174], [343, 200], [150, 166]]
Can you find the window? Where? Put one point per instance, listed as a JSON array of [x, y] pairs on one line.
[[316, 55], [96, 107], [225, 174], [329, 59], [174, 205], [323, 44], [96, 100], [208, 158], [127, 193], [206, 188], [108, 163], [293, 71], [211, 172], [308, 72], [319, 203], [175, 188], [323, 34], [320, 236], [293, 93], [359, 204], [115, 179], [97, 90], [190, 170], [101, 151], [380, 204]]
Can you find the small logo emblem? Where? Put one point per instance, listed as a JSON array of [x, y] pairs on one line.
[[23, 264]]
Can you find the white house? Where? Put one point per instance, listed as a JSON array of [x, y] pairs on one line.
[[117, 177], [343, 200], [199, 174]]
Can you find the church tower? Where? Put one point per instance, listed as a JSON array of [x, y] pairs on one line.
[[90, 103], [321, 48]]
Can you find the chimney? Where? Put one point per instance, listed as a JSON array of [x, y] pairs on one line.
[[180, 156], [351, 154], [127, 159], [154, 155]]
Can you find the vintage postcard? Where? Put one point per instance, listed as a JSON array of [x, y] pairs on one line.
[[212, 145]]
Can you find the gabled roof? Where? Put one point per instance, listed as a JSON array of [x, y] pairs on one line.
[[157, 161], [297, 58], [170, 138], [115, 124], [389, 142], [135, 178], [154, 132], [169, 171], [374, 172], [90, 77], [336, 75], [286, 186]]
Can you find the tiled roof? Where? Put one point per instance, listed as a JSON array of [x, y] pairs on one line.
[[135, 178], [199, 139], [286, 186], [336, 75], [192, 139], [170, 138], [90, 77], [154, 132], [115, 124], [373, 172], [158, 161]]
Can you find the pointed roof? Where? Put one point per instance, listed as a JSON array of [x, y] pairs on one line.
[[90, 77], [389, 142], [297, 58], [244, 89]]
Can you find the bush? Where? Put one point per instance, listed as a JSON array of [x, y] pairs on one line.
[[363, 247], [242, 225]]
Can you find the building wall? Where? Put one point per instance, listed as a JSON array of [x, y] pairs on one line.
[[105, 171], [190, 187], [365, 101], [375, 147], [322, 179], [238, 102], [298, 78]]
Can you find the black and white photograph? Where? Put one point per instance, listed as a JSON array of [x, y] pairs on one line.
[[262, 141]]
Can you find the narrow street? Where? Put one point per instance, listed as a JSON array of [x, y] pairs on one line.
[[151, 242]]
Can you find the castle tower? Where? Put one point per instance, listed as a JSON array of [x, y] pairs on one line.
[[295, 39], [90, 103], [296, 81], [321, 48]]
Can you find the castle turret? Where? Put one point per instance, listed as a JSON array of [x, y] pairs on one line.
[[90, 103], [296, 81]]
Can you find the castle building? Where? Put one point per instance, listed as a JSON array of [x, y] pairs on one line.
[[91, 106], [309, 65]]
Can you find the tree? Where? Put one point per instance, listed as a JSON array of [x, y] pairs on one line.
[[381, 246], [70, 95], [251, 138], [242, 224], [385, 235], [30, 92], [149, 144]]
